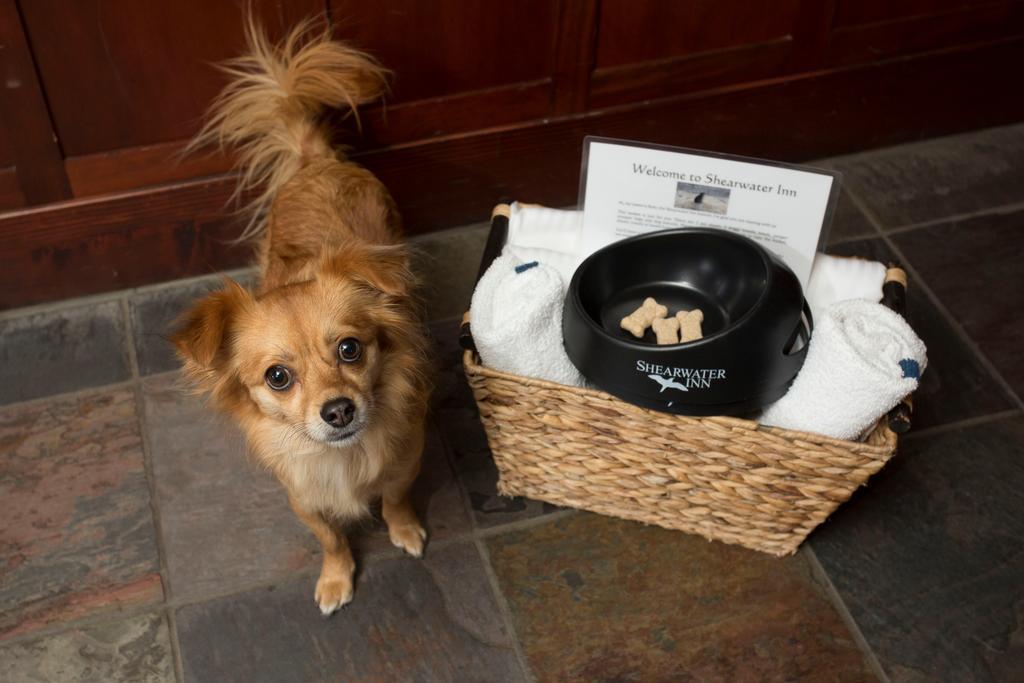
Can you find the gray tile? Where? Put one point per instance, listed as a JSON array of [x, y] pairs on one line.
[[76, 532], [153, 313], [411, 620], [849, 222], [137, 649], [974, 268], [601, 599], [931, 180], [447, 263], [49, 353], [226, 522], [929, 558]]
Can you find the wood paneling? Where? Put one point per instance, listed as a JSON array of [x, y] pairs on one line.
[[859, 12], [649, 48], [129, 73], [30, 140], [458, 65], [87, 246], [919, 33], [575, 55], [652, 80], [128, 169], [10, 190], [11, 196], [444, 47], [83, 247], [632, 31], [408, 122], [490, 100]]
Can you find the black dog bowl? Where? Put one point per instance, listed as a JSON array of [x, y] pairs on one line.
[[752, 305]]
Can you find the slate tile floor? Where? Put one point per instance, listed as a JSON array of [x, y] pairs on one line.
[[138, 543]]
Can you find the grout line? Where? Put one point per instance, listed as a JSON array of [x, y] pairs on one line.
[[467, 506], [86, 391], [819, 573], [73, 394], [872, 219], [61, 305], [215, 276], [107, 616], [852, 238], [913, 435], [158, 529], [129, 339], [504, 609], [1000, 210], [159, 375], [918, 281], [907, 145], [523, 524], [449, 456], [106, 297], [172, 632]]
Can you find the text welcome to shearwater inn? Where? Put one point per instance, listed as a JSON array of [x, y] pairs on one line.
[[711, 179]]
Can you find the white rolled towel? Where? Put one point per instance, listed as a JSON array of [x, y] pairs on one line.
[[862, 360], [838, 278], [566, 264], [539, 227], [516, 321]]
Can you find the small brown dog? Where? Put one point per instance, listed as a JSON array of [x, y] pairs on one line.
[[323, 366]]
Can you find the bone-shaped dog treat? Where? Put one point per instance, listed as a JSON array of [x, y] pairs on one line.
[[689, 324], [666, 330], [639, 320]]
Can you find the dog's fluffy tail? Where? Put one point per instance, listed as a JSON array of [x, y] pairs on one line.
[[269, 113]]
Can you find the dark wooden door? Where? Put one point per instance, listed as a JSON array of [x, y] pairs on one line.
[[489, 100], [127, 81]]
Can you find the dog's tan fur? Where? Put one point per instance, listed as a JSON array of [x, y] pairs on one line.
[[333, 268]]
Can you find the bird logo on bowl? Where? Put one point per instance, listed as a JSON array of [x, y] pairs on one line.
[[668, 383]]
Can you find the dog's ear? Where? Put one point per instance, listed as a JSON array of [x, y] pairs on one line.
[[203, 331], [383, 267]]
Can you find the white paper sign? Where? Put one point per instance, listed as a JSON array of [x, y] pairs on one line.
[[631, 188]]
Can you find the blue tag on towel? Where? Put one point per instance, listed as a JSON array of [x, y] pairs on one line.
[[911, 370], [526, 266]]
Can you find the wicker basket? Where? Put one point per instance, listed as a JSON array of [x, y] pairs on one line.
[[727, 479]]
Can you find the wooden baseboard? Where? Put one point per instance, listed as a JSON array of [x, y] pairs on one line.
[[124, 240]]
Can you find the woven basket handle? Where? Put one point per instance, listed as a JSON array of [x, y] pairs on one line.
[[492, 249], [894, 295]]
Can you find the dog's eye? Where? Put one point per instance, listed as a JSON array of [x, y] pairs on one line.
[[350, 349], [278, 377]]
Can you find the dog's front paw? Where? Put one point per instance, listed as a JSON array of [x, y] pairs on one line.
[[408, 537], [332, 594]]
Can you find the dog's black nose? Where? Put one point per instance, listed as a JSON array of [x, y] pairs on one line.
[[338, 412]]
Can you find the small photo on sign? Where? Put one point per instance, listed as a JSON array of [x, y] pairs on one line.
[[702, 198]]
